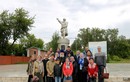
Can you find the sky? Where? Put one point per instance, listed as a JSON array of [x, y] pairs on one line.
[[78, 13]]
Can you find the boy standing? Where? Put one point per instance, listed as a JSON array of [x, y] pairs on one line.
[[57, 71]]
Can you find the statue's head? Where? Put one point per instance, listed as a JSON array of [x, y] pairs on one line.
[[64, 19]]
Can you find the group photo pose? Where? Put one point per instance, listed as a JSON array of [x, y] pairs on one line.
[[65, 66]]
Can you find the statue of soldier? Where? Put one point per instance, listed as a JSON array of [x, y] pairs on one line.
[[64, 25]]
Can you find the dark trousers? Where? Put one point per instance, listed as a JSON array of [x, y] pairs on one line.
[[92, 79], [82, 76], [30, 78], [75, 78], [100, 72], [62, 79], [50, 79], [39, 76], [45, 78]]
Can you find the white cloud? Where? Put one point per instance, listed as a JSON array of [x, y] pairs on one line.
[[104, 17], [115, 2], [79, 14], [99, 2]]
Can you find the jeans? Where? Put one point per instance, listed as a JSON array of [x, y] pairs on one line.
[[57, 79], [67, 78]]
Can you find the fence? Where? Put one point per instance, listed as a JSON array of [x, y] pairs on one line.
[[4, 60]]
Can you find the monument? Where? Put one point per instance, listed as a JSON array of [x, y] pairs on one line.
[[63, 42]]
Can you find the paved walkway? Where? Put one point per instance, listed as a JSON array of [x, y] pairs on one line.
[[19, 70], [16, 70], [119, 70]]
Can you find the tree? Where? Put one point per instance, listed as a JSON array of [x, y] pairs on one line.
[[94, 34], [115, 43], [22, 23], [111, 34], [120, 48], [31, 41], [84, 35], [13, 26], [5, 31], [76, 45], [26, 42], [53, 43]]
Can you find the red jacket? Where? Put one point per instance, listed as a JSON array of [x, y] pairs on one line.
[[92, 70], [67, 71]]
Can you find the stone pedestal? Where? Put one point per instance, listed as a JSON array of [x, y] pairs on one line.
[[63, 43]]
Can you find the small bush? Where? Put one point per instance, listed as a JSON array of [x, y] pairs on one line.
[[116, 58], [108, 58]]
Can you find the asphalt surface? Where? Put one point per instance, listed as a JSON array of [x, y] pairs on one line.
[[19, 70]]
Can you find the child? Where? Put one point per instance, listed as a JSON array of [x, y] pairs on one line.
[[57, 71], [67, 70], [92, 70]]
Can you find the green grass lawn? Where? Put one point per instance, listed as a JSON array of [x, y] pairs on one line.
[[121, 61]]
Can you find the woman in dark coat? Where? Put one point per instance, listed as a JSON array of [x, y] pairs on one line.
[[82, 68]]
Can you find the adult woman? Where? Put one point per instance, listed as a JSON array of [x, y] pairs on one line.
[[92, 70], [38, 69], [89, 55], [30, 68], [67, 70], [82, 68]]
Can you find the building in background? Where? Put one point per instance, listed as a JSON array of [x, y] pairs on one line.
[[34, 50]]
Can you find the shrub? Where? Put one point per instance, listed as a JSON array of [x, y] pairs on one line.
[[108, 58], [115, 58]]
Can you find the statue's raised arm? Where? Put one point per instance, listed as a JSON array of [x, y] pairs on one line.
[[59, 21], [64, 26]]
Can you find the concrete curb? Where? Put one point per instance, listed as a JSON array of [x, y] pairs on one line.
[[24, 79]]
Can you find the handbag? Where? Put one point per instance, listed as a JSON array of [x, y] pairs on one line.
[[105, 75]]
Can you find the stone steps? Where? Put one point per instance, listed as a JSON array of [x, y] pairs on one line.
[[24, 79], [13, 79], [118, 79]]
